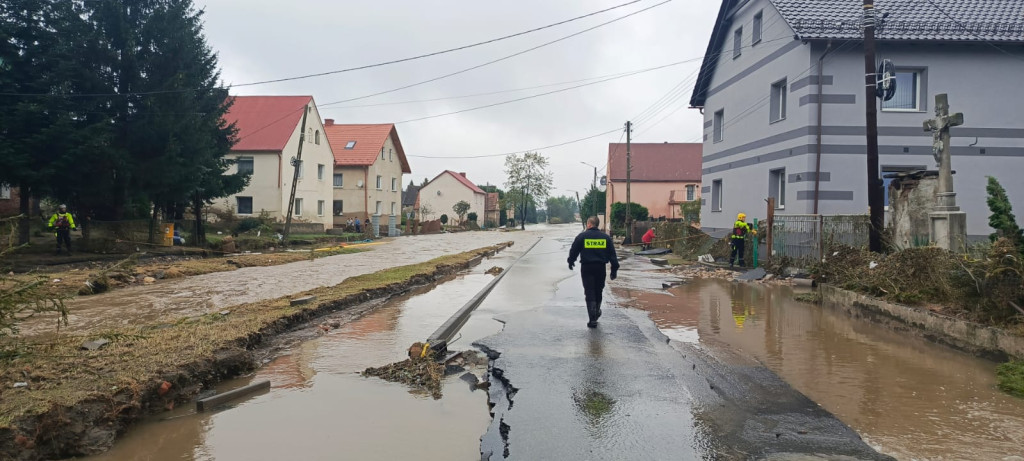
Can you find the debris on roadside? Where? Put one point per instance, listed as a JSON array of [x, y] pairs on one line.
[[494, 270], [419, 372]]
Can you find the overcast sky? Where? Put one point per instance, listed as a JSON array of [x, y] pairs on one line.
[[266, 39]]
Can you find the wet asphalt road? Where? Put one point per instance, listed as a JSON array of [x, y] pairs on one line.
[[624, 391]]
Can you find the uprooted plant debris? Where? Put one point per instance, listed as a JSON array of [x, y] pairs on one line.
[[494, 270], [418, 372], [982, 285]]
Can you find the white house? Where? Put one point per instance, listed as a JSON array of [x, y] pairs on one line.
[[368, 165], [441, 194], [269, 129]]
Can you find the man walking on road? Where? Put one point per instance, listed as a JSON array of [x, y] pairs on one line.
[[62, 224], [594, 249]]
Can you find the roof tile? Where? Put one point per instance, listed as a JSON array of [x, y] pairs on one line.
[[265, 123], [656, 162]]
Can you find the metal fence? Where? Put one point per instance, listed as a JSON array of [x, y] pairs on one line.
[[803, 237]]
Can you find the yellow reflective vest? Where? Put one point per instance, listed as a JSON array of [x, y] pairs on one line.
[[62, 220], [740, 229]]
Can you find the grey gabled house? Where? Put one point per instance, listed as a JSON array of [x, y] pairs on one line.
[[766, 127]]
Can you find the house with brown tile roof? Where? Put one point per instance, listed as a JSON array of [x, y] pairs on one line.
[[664, 175], [269, 133], [441, 194], [369, 162]]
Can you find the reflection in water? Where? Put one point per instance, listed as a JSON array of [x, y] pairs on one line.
[[910, 398]]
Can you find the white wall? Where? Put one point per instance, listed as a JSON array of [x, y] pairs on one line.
[[451, 192]]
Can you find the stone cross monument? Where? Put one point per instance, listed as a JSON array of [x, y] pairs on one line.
[[948, 224]]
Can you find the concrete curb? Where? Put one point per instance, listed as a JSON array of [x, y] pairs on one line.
[[974, 338]]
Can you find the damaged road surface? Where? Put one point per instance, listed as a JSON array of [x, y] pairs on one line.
[[624, 391]]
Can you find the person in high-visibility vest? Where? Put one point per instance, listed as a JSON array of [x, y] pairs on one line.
[[740, 230], [62, 223]]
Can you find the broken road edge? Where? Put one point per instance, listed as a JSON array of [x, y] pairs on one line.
[[79, 405]]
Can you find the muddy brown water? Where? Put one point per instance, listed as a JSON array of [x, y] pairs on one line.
[[169, 300], [907, 397], [320, 408]]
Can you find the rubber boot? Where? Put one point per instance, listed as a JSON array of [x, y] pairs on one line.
[[592, 313], [597, 304]]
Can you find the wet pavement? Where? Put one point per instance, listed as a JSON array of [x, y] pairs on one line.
[[909, 398], [622, 391], [169, 300]]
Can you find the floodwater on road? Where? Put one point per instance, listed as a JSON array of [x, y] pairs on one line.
[[909, 398], [169, 300], [320, 408]]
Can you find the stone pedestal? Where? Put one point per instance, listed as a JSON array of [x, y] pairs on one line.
[[949, 230], [375, 222]]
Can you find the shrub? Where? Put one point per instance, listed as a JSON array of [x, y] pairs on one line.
[[472, 216], [248, 224], [618, 218], [555, 220], [444, 219]]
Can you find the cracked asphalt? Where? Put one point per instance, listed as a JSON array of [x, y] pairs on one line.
[[624, 390]]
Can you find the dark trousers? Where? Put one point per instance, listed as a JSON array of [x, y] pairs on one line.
[[737, 249], [593, 281], [64, 235]]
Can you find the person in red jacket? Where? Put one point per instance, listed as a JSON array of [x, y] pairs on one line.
[[648, 238]]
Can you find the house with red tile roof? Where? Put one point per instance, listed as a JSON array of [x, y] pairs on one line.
[[269, 133], [369, 162], [664, 175], [441, 194]]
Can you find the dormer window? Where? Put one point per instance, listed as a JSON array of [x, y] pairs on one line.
[[351, 145]]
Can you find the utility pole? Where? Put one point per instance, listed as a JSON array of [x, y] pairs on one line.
[[297, 163], [875, 193], [629, 171]]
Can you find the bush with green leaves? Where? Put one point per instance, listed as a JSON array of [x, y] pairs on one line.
[[472, 216], [21, 299], [618, 218], [444, 219]]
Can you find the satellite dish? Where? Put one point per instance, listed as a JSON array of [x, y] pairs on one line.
[[603, 185], [885, 88], [359, 184]]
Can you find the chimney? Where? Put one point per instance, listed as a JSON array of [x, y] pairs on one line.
[[328, 121], [463, 174]]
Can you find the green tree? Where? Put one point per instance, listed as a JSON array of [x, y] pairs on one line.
[[1002, 219], [528, 181], [561, 209], [593, 203], [460, 209], [444, 219], [618, 217], [690, 212]]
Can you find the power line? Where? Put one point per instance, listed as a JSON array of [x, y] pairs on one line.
[[350, 69], [522, 150], [437, 53], [499, 59]]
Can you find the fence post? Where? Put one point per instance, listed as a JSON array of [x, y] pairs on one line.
[[756, 244], [771, 227], [821, 237]]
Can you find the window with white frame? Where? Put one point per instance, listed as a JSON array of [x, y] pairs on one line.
[[380, 207], [691, 192], [245, 165], [755, 32], [737, 43], [392, 208], [908, 92], [339, 180], [778, 101], [380, 182], [394, 184], [777, 187], [320, 169], [719, 126], [317, 137], [339, 207], [5, 192], [320, 205], [716, 195], [243, 205], [297, 211]]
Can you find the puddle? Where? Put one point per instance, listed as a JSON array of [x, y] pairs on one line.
[[907, 397], [321, 408]]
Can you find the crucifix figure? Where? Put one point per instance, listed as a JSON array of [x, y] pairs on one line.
[[939, 126]]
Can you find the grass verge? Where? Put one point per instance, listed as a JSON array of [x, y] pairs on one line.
[[1011, 378], [75, 401]]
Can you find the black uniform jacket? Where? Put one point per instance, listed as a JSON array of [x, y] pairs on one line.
[[594, 247]]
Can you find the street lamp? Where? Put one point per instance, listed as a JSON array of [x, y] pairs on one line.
[[595, 173]]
